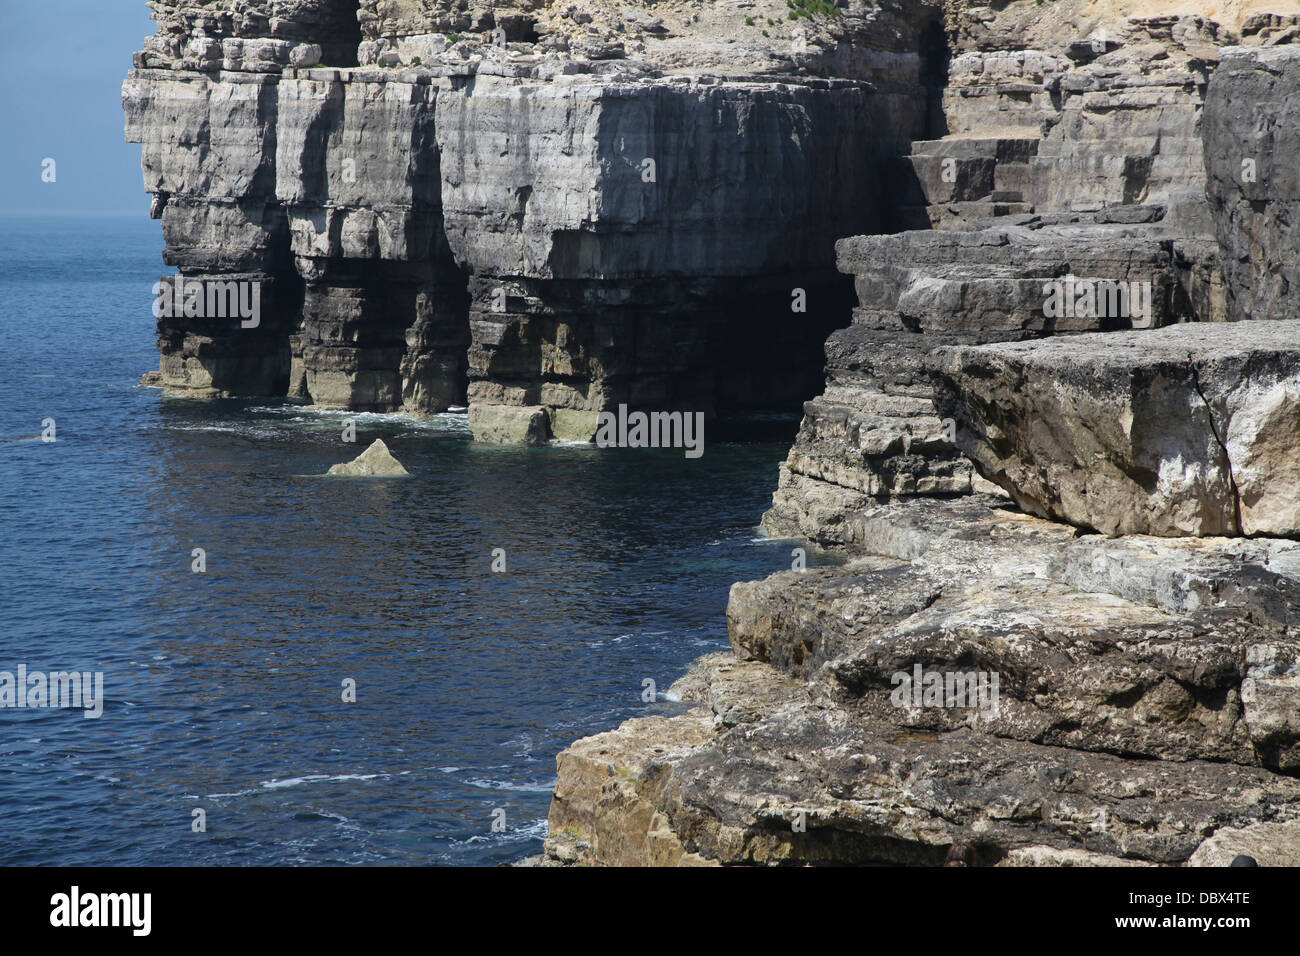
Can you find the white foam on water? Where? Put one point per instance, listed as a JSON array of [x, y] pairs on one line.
[[286, 783], [532, 830], [305, 414], [486, 784]]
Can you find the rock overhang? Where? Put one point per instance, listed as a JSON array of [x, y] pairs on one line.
[[1185, 430]]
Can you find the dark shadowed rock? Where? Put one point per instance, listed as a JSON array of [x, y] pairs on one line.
[[1252, 139]]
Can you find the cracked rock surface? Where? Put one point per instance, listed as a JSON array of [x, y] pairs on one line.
[[1143, 722], [1187, 430]]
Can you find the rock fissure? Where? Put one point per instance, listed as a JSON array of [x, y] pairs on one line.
[[1227, 459]]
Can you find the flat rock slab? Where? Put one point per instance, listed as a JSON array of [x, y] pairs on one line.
[[869, 794], [1176, 649], [1188, 430]]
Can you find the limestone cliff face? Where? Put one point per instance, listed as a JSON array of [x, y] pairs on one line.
[[1084, 155], [546, 210], [1147, 685], [519, 219]]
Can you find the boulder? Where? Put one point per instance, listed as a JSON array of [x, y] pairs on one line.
[[509, 424], [375, 462], [1270, 844], [305, 55], [1186, 430]]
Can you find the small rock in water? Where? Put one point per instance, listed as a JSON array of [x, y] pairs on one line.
[[375, 462]]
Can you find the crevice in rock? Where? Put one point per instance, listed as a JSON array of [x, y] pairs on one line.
[[1227, 459], [340, 33], [935, 59]]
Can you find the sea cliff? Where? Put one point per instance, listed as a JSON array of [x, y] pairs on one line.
[[1043, 422]]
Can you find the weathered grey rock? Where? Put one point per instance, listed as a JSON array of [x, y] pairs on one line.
[[515, 205], [1067, 153], [248, 32], [799, 726], [1253, 579], [369, 235], [1188, 430], [875, 432], [1252, 135], [305, 55], [1269, 844], [509, 424], [690, 789], [866, 795], [1198, 664], [375, 462], [493, 225]]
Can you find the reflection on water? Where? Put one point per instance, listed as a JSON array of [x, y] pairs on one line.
[[224, 688]]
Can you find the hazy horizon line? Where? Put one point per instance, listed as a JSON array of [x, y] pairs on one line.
[[73, 212]]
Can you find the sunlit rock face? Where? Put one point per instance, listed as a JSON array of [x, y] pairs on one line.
[[506, 207], [1074, 148], [549, 211], [375, 462], [1188, 430]]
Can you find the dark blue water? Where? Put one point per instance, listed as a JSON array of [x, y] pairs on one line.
[[224, 688]]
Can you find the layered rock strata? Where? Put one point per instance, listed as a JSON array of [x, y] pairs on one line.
[[534, 219], [1145, 701], [1080, 159], [1147, 698], [1189, 430], [875, 432]]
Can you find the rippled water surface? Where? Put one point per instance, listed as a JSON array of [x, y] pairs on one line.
[[223, 689]]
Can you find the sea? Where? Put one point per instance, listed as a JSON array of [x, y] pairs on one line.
[[299, 670]]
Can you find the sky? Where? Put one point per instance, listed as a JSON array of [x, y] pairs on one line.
[[62, 63]]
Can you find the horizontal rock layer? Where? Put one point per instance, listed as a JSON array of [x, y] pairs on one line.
[[1189, 430], [875, 431], [433, 239], [1131, 724]]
